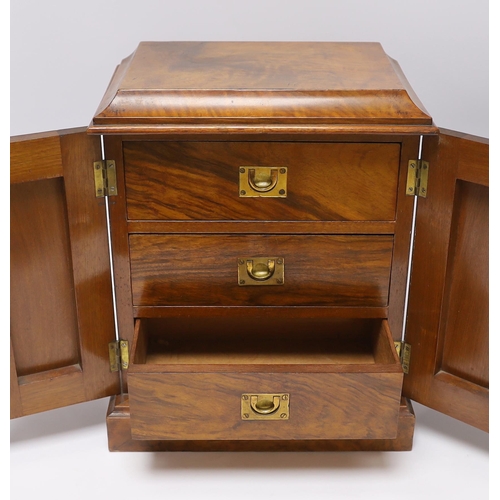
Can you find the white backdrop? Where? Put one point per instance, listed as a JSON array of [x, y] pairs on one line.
[[63, 54]]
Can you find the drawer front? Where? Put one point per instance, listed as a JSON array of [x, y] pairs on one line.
[[200, 181], [206, 270], [208, 405]]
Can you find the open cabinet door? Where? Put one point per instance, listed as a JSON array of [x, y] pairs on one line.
[[448, 304], [61, 299]]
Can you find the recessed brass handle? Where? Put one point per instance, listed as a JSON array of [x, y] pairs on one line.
[[261, 271], [264, 405], [263, 181], [274, 406]]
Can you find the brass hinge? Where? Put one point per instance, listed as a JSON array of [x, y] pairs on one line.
[[118, 355], [403, 350], [416, 182], [105, 178]]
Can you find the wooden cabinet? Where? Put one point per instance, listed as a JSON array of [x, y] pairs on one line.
[[259, 205]]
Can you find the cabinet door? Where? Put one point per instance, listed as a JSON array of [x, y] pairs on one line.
[[61, 299], [448, 303]]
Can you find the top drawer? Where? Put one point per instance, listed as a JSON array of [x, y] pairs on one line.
[[200, 180]]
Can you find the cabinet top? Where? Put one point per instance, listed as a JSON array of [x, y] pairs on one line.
[[214, 87]]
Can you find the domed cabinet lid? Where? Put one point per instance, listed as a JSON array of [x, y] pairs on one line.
[[259, 87]]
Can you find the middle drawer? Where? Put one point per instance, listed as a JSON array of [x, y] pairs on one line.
[[206, 270]]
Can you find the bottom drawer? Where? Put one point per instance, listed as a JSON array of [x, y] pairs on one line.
[[295, 379]]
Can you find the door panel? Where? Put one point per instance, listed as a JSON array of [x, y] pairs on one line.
[[61, 302], [462, 352], [41, 260], [448, 305]]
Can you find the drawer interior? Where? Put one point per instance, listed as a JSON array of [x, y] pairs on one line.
[[172, 342]]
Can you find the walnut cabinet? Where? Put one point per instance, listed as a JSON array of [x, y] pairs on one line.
[[275, 248]]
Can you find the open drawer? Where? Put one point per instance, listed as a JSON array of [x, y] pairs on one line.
[[233, 379]]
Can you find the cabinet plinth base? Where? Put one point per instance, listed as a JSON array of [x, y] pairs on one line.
[[120, 438]]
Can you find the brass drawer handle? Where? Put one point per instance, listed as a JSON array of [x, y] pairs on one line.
[[263, 181], [265, 406], [261, 271], [268, 182]]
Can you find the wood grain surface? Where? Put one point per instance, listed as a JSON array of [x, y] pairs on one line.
[[179, 219], [200, 181], [186, 380], [203, 270], [208, 405], [250, 84], [45, 148], [61, 304], [448, 309], [41, 262], [120, 437]]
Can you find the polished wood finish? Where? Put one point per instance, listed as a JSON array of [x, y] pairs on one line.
[[121, 230], [120, 437], [203, 270], [45, 147], [266, 313], [291, 130], [187, 383], [136, 239], [61, 305], [448, 308], [263, 227], [199, 181], [207, 406], [250, 86]]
